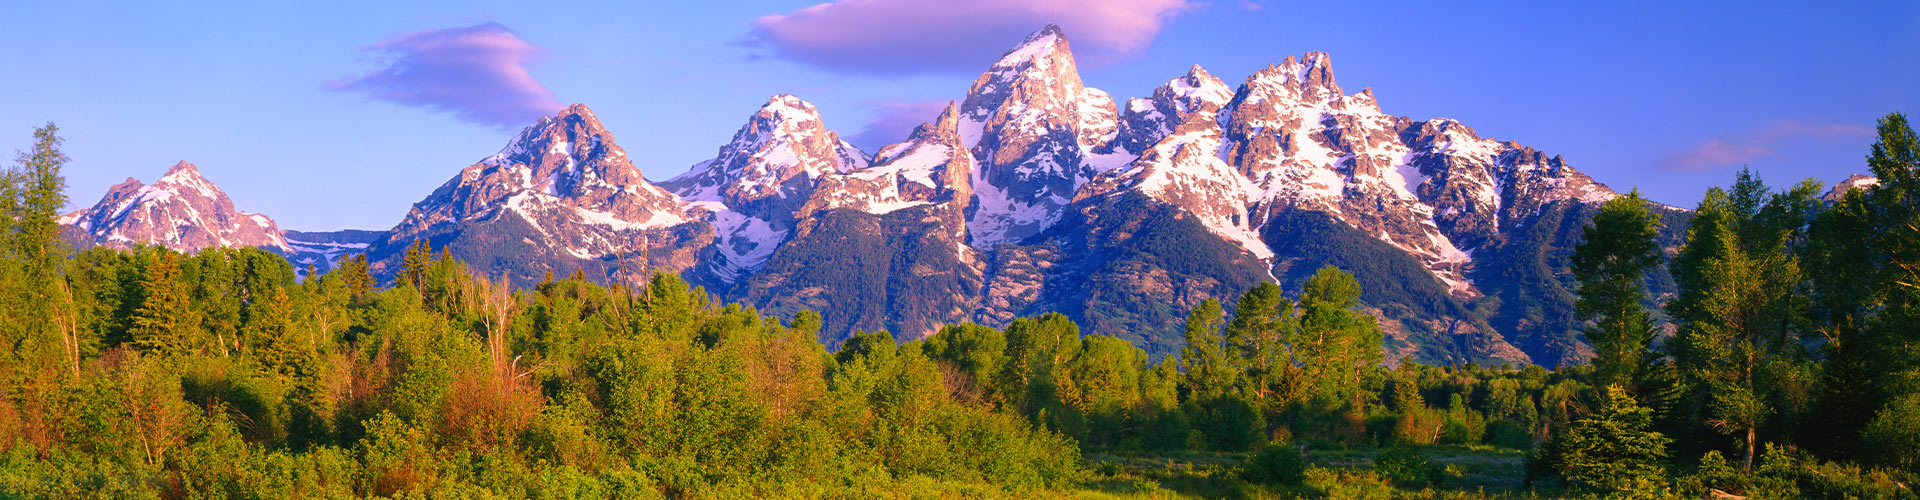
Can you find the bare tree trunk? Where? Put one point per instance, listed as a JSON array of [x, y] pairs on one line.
[[69, 329], [1748, 460]]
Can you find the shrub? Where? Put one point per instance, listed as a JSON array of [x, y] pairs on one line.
[[1229, 423], [1893, 437], [1786, 472], [1406, 467], [1509, 434], [1275, 464], [1714, 473]]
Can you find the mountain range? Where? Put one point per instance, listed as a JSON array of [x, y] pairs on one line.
[[1033, 193]]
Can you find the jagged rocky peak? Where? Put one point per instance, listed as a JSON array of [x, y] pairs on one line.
[[1194, 91], [1043, 55], [1148, 119], [182, 211], [1183, 168], [1033, 129], [1301, 86], [1036, 87], [555, 145], [779, 153], [944, 129], [931, 167], [756, 185], [1311, 74]]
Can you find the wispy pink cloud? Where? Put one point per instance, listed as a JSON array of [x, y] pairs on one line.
[[893, 121], [477, 73], [924, 36], [1739, 149]]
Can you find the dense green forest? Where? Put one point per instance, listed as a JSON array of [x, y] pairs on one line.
[[1787, 366]]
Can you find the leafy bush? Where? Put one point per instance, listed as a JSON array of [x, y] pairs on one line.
[[1407, 467], [1228, 423], [1275, 464], [1787, 472], [1893, 437], [1508, 434]]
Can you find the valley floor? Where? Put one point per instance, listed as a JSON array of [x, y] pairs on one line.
[[1466, 472]]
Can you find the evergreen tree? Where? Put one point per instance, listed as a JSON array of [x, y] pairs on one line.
[[1895, 159], [1612, 449], [353, 270], [36, 216], [34, 192], [1864, 263], [1737, 312], [167, 321], [1612, 263]]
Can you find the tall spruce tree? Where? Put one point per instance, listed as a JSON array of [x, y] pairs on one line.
[[1738, 316], [1612, 263], [167, 322], [1864, 263], [42, 194], [1612, 449]]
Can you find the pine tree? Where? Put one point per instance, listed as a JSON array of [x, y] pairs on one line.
[[36, 238], [167, 322], [34, 192], [1895, 159], [413, 264], [1611, 449], [353, 270], [1612, 263], [1737, 314], [1864, 267]]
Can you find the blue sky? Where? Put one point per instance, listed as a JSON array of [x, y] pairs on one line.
[[298, 110]]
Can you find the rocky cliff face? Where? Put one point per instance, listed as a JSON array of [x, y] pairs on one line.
[[884, 246]]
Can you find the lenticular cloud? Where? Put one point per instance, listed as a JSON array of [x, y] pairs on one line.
[[478, 73], [929, 36]]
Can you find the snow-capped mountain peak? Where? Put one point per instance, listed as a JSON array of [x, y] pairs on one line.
[[1148, 119], [1036, 46], [778, 153], [753, 187], [182, 211], [1034, 130], [567, 160], [1852, 182]]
